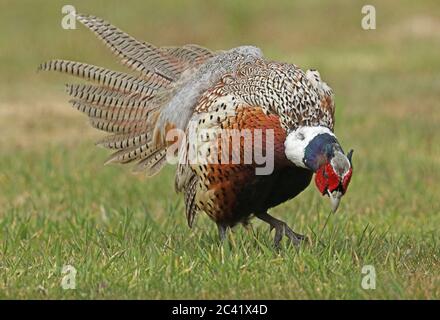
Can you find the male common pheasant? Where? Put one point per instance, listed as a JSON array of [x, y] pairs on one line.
[[203, 94]]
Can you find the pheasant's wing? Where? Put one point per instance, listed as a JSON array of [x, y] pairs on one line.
[[128, 105], [298, 98]]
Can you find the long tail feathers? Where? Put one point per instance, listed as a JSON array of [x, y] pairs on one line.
[[139, 56], [128, 105], [114, 80]]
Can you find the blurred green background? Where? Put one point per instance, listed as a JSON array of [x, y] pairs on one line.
[[128, 236]]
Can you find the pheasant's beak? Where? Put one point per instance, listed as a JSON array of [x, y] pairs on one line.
[[335, 198]]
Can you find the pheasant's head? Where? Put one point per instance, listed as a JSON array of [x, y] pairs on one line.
[[333, 177], [317, 149]]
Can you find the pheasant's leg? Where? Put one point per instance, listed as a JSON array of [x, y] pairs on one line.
[[222, 232], [281, 228]]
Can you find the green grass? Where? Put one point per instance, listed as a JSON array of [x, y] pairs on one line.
[[127, 235]]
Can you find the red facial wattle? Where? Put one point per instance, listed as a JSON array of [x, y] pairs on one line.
[[326, 179], [321, 181], [346, 180]]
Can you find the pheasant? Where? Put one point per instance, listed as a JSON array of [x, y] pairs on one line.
[[176, 93]]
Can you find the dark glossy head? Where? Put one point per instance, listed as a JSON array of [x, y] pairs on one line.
[[333, 169], [317, 149]]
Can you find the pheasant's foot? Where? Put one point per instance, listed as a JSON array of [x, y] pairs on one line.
[[281, 229]]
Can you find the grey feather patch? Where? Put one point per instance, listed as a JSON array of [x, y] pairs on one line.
[[193, 83]]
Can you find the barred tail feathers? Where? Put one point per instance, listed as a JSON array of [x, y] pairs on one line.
[[125, 105]]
